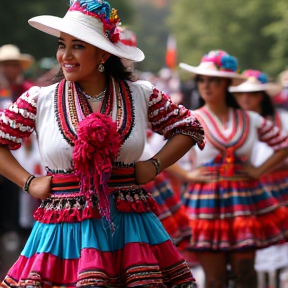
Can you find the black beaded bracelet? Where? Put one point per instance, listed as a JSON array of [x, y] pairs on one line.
[[156, 163], [27, 183]]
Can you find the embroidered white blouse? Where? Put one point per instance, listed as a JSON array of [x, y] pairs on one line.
[[36, 109], [257, 130]]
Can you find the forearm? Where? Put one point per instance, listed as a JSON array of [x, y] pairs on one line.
[[173, 150], [11, 169], [177, 171], [273, 161]]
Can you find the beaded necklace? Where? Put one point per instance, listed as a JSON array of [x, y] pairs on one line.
[[72, 106], [97, 98]]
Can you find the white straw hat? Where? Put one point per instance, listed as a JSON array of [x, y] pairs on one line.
[[91, 23], [256, 82], [216, 64], [283, 77], [11, 52]]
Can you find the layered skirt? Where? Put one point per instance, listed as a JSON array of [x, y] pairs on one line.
[[277, 184], [170, 210], [235, 214], [72, 246]]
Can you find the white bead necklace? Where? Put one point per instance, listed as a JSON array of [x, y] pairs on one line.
[[96, 98]]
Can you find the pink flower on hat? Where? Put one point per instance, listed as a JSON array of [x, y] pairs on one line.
[[222, 60], [260, 76]]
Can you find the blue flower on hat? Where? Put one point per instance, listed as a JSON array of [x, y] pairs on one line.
[[99, 7], [263, 78], [101, 10], [229, 63], [260, 76]]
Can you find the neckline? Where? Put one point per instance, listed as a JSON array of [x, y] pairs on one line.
[[235, 139], [223, 126], [71, 107]]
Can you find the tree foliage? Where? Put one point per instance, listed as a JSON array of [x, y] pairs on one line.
[[152, 33], [253, 31], [14, 28]]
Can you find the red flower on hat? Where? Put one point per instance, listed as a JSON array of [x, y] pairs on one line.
[[102, 11], [222, 60]]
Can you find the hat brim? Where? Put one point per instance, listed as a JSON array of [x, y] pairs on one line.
[[195, 70], [54, 26], [270, 88], [25, 60]]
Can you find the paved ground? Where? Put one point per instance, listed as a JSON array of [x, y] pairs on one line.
[[11, 244]]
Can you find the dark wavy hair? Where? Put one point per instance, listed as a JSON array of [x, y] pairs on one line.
[[229, 97], [113, 67], [267, 106]]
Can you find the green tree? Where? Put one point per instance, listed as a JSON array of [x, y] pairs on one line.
[[246, 30], [278, 54], [152, 32], [14, 28]]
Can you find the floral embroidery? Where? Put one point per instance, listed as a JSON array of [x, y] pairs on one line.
[[169, 119], [18, 121], [102, 11], [71, 107]]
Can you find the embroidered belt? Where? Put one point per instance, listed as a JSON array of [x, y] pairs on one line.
[[70, 183], [227, 172], [68, 204]]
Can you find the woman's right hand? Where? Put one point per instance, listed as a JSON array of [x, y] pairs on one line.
[[200, 174], [40, 187]]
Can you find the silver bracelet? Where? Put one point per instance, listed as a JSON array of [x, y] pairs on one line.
[[156, 163]]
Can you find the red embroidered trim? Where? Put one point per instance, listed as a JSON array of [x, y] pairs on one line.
[[168, 118], [68, 117], [225, 139], [20, 118], [239, 132], [70, 208], [66, 112], [135, 201], [272, 135]]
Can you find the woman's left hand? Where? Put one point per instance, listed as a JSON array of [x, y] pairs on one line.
[[252, 172], [145, 171]]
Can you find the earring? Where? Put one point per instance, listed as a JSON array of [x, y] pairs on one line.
[[101, 68]]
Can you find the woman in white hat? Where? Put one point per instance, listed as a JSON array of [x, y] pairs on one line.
[[255, 94], [231, 215], [95, 226]]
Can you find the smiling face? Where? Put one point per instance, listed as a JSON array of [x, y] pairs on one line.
[[79, 60], [212, 89], [250, 101]]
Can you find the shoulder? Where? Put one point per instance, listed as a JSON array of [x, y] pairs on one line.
[[35, 92], [255, 117], [141, 87], [44, 92]]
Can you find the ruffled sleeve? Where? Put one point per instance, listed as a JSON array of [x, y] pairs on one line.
[[272, 135], [168, 119], [18, 121]]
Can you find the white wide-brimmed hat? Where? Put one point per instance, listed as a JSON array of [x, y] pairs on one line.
[[94, 23], [283, 78], [257, 81], [216, 63], [11, 52]]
